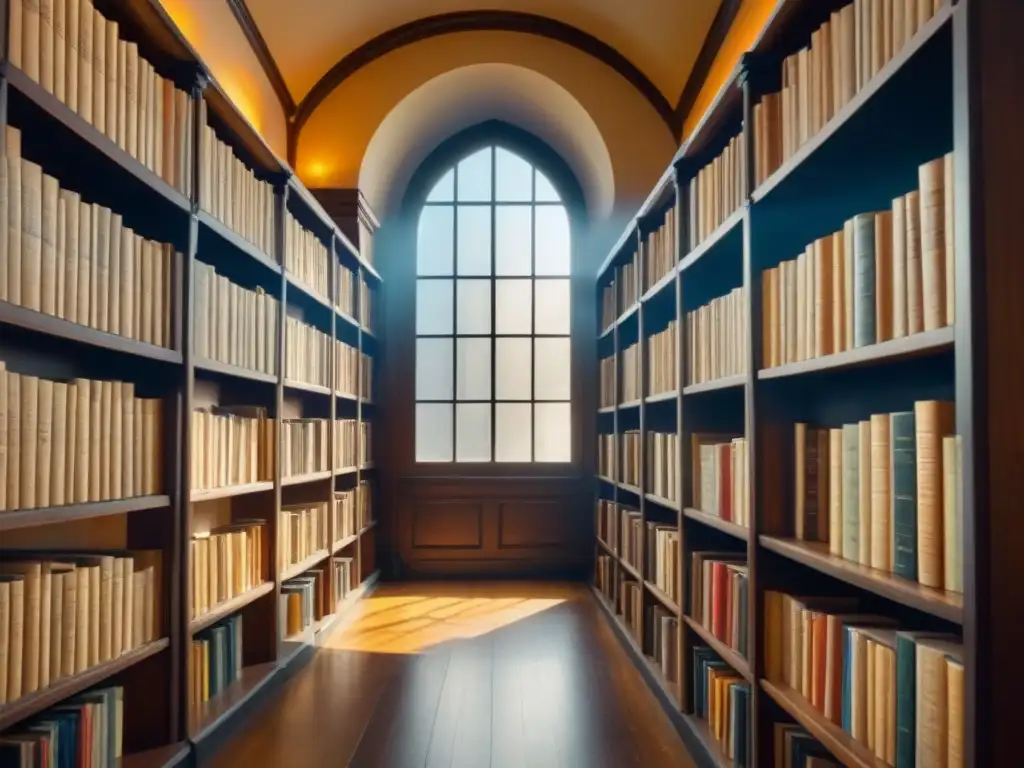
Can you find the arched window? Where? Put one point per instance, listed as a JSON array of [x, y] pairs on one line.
[[493, 315]]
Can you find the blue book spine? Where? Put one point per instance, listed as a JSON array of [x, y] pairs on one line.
[[906, 702], [847, 680], [904, 494]]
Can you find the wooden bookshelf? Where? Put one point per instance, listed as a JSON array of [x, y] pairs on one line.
[[919, 105], [166, 729]]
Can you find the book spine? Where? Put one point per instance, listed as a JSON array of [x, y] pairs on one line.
[[904, 494], [864, 280]]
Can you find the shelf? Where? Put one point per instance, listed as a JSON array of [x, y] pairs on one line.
[[85, 132], [37, 322], [729, 655], [161, 757], [206, 717], [717, 236], [345, 396], [662, 397], [312, 477], [628, 568], [664, 282], [846, 749], [345, 317], [29, 518], [937, 602], [342, 543], [344, 606], [607, 409], [345, 471], [606, 332], [231, 237], [604, 479], [369, 526], [664, 599], [702, 732], [630, 405], [667, 687], [300, 568], [227, 607], [296, 282], [628, 313], [661, 501], [920, 344], [714, 521], [368, 467], [601, 543], [629, 488], [727, 382], [226, 369], [34, 703], [231, 490], [300, 386]]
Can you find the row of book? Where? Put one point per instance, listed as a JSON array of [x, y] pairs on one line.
[[844, 54], [306, 599], [366, 306], [302, 532], [231, 445], [74, 52], [631, 606], [604, 577], [796, 748], [306, 257], [719, 594], [898, 692], [64, 612], [607, 523], [232, 324], [75, 442], [343, 577], [631, 536], [347, 439], [609, 311], [717, 337], [629, 449], [364, 508], [662, 630], [663, 359], [365, 443], [304, 446], [230, 191], [627, 282], [606, 456], [718, 190], [721, 477], [85, 730], [606, 375], [68, 258], [659, 249], [663, 547], [885, 492], [226, 562], [345, 512], [721, 697], [885, 275], [216, 660], [306, 353], [345, 290], [629, 384], [663, 465]]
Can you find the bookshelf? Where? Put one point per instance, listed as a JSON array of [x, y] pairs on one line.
[[866, 146], [249, 419]]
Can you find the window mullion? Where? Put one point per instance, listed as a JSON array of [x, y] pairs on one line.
[[533, 316], [455, 314], [494, 300]]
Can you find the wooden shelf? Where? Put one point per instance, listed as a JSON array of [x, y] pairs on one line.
[[345, 471], [937, 602], [299, 386], [630, 569], [368, 527], [231, 490], [664, 282], [661, 501], [630, 404], [728, 382], [296, 282], [15, 711], [228, 235], [161, 757], [630, 489], [662, 397], [729, 655], [342, 543], [628, 313], [347, 396], [714, 521], [205, 718], [300, 568], [920, 344], [345, 317], [236, 371], [606, 409], [312, 477], [37, 322], [663, 598], [847, 750], [723, 230], [226, 608], [608, 480], [601, 543], [700, 730], [29, 518]]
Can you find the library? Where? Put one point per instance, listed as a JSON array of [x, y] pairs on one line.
[[564, 383]]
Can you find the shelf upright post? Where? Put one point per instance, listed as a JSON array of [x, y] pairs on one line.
[[682, 669], [332, 447], [273, 525], [641, 388]]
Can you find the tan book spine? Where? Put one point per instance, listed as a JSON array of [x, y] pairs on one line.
[[932, 707], [933, 243], [32, 624], [31, 234], [116, 440], [848, 229], [44, 442], [924, 12], [149, 452], [5, 636], [132, 100], [142, 95], [48, 234], [835, 492], [883, 276], [46, 44], [106, 438], [934, 421], [69, 611], [127, 284], [60, 49], [56, 648], [29, 440], [85, 242], [59, 259], [129, 602], [146, 294], [99, 71], [915, 278], [15, 24], [16, 644], [58, 454], [877, 36], [95, 214], [899, 267], [106, 606], [955, 704], [122, 94], [114, 275], [82, 441], [838, 294], [823, 313], [86, 67], [95, 435], [157, 256], [110, 39], [127, 439], [899, 25], [13, 265], [117, 609], [168, 163], [72, 58], [138, 608], [81, 645], [864, 492], [4, 409], [101, 226], [30, 22], [4, 183], [94, 614], [801, 306], [949, 236], [137, 449], [45, 600], [881, 499], [951, 524], [140, 258], [70, 237]]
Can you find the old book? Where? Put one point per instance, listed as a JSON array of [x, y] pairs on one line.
[[849, 282], [127, 439], [3, 229], [933, 243], [953, 515], [146, 292], [58, 573], [95, 436], [94, 213], [83, 612], [883, 276], [83, 461], [126, 282], [949, 235], [864, 310], [13, 158], [32, 579], [131, 100], [902, 436], [934, 420], [59, 265], [864, 503], [122, 95], [16, 633], [110, 43], [70, 241], [101, 229], [899, 267], [30, 23], [5, 634], [113, 469], [3, 436], [114, 275], [44, 442], [86, 67], [46, 44], [106, 608], [48, 245], [99, 71], [106, 437], [69, 623], [823, 296], [881, 493], [15, 25], [31, 234], [851, 492], [60, 48], [45, 599], [58, 441], [72, 58], [13, 440], [932, 716], [85, 262], [955, 704], [29, 440], [117, 607]]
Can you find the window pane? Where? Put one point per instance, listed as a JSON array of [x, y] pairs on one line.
[[473, 432], [512, 432], [433, 432], [552, 240], [513, 306], [474, 306], [546, 192], [444, 190], [474, 240], [512, 239], [434, 242], [433, 306], [552, 307], [473, 377], [512, 369], [514, 177], [434, 369], [552, 433], [475, 177], [551, 380]]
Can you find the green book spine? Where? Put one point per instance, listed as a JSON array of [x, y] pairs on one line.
[[851, 492], [904, 494], [864, 280], [906, 701]]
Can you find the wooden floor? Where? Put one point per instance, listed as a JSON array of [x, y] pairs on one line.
[[467, 675]]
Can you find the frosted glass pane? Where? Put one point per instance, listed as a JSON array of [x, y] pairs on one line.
[[514, 180], [512, 239], [473, 374], [433, 432], [434, 369], [474, 306], [512, 432], [546, 192], [473, 432], [444, 190], [435, 241], [474, 240], [512, 369], [475, 177], [433, 306], [513, 306], [552, 307], [551, 380], [552, 434], [552, 240]]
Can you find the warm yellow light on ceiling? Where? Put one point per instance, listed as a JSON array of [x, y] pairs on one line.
[[316, 170]]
